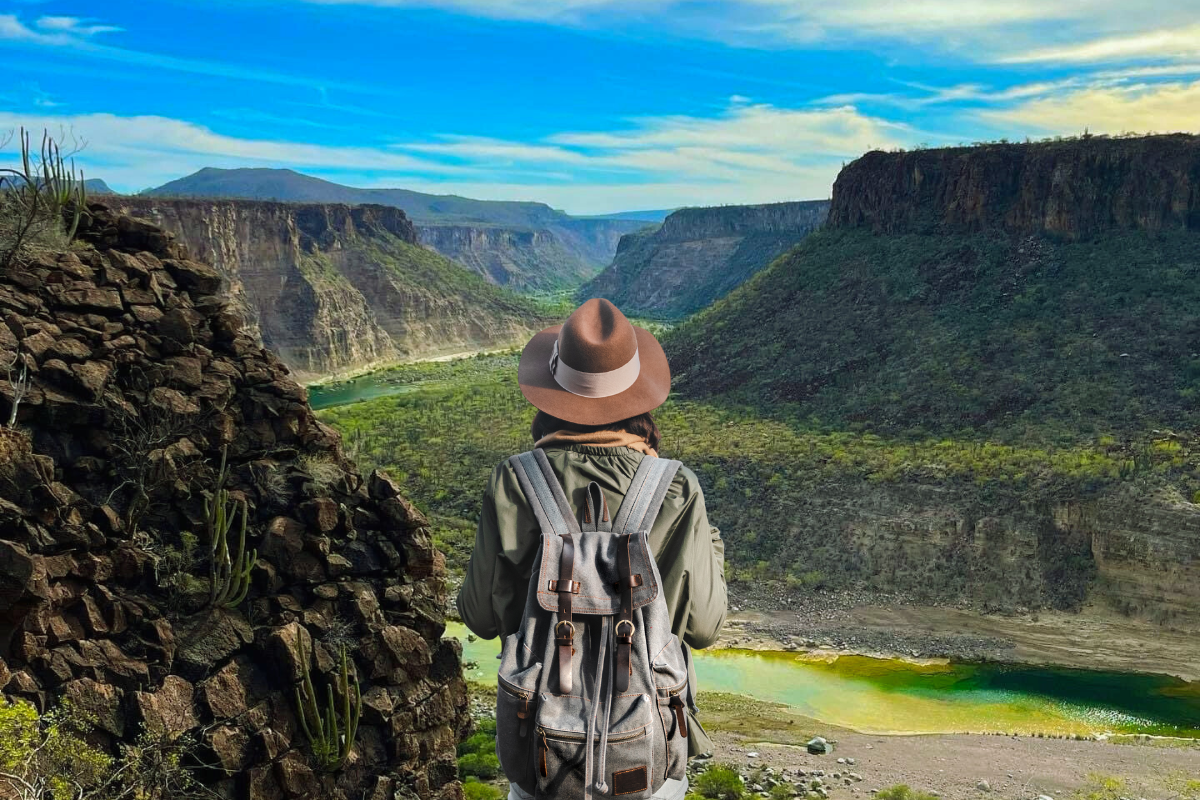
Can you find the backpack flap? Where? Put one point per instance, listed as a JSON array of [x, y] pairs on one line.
[[600, 582]]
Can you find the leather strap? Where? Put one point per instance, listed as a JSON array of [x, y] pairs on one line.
[[624, 626], [680, 717], [564, 629]]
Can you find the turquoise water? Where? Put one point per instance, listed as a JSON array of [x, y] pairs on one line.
[[890, 696], [368, 387]]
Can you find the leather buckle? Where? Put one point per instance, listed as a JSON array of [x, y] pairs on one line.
[[569, 624], [624, 622]]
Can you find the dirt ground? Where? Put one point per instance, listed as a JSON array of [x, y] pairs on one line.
[[951, 765]]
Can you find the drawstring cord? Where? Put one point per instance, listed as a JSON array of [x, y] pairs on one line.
[[591, 729], [601, 786]]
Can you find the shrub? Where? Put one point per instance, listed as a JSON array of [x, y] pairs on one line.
[[721, 783], [903, 792], [484, 766], [481, 742], [474, 790], [47, 755], [1100, 787]]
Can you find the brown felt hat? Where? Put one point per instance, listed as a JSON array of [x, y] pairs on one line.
[[595, 368]]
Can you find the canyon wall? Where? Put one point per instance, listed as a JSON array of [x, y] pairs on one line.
[[1073, 189], [1037, 296], [698, 255], [330, 287], [143, 384]]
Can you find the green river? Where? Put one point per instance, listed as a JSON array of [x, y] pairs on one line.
[[876, 695], [891, 696]]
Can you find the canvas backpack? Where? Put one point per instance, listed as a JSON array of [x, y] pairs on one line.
[[595, 660]]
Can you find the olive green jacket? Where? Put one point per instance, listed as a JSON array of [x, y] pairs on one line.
[[688, 550]]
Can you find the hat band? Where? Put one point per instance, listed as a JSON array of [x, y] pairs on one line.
[[594, 384]]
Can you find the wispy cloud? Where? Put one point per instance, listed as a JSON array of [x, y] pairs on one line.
[[70, 34], [74, 25], [749, 153], [1139, 108], [1172, 43], [146, 150], [981, 30]]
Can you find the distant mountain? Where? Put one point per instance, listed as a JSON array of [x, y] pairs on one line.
[[522, 245], [97, 186], [700, 254]]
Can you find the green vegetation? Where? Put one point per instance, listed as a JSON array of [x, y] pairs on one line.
[[477, 755], [330, 740], [902, 792], [42, 201], [1022, 340], [229, 568], [719, 783], [442, 440], [50, 757], [1101, 787]]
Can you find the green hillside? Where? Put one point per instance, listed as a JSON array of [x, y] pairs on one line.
[[1012, 337]]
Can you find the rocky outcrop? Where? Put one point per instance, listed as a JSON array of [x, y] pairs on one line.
[[701, 254], [331, 287], [141, 379], [1074, 188]]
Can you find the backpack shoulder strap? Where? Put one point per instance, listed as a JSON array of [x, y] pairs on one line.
[[645, 494], [544, 493], [554, 516]]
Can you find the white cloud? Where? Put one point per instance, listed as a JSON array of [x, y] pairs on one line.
[[136, 152], [1168, 43], [71, 34], [74, 25], [1139, 108], [982, 30], [750, 153]]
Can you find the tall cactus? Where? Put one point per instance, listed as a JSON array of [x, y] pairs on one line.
[[229, 572], [330, 748]]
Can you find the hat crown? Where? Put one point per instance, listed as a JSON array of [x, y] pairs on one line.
[[597, 338]]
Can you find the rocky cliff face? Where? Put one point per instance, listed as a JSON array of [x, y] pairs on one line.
[[523, 259], [140, 378], [559, 256], [1072, 189], [330, 287], [700, 254]]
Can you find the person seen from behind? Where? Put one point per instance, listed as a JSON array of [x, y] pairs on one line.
[[594, 381]]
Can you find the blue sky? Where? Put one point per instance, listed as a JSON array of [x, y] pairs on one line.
[[589, 105]]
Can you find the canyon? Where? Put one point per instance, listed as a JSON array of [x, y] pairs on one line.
[[525, 246], [698, 255], [333, 287]]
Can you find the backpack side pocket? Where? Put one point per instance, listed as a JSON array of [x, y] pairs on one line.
[[516, 707]]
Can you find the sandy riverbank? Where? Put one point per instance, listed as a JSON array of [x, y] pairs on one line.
[[1093, 638]]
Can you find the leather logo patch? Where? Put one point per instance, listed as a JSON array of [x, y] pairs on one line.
[[629, 781]]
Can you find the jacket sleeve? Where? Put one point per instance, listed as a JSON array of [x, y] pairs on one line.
[[492, 596], [475, 596], [707, 598]]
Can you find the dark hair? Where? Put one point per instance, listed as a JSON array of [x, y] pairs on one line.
[[642, 425]]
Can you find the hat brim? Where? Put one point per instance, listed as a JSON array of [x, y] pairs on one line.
[[647, 393]]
